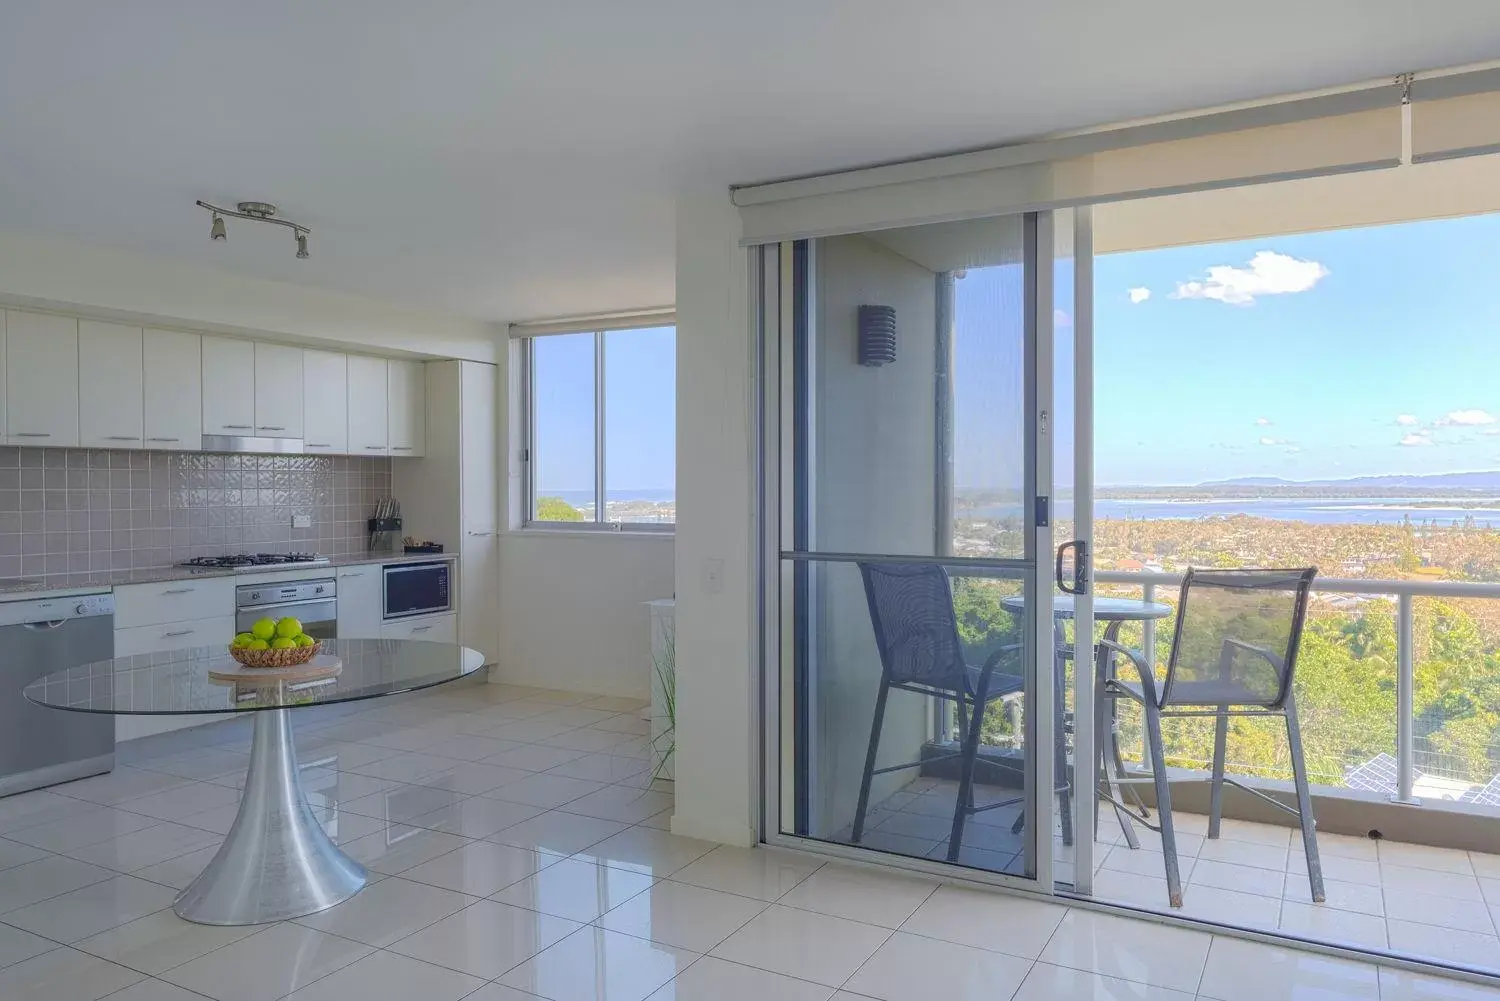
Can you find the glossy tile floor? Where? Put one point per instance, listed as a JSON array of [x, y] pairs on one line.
[[1433, 903], [518, 851]]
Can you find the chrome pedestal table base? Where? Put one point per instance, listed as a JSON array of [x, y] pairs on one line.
[[276, 862]]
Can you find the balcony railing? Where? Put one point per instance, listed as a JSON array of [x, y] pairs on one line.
[[1402, 591]]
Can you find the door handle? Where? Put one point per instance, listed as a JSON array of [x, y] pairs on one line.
[[1080, 582], [179, 632], [239, 427], [272, 427]]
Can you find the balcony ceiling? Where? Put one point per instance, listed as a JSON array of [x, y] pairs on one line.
[[510, 160]]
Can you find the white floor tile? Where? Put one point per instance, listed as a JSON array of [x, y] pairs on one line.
[[1470, 948], [1052, 983], [1238, 970], [1121, 858], [13, 853], [81, 829], [594, 964], [63, 974], [987, 920], [1322, 923], [154, 990], [601, 768], [592, 741], [1348, 870], [401, 804], [1445, 912], [1129, 949], [1485, 864], [1404, 879], [1244, 853], [117, 786], [576, 889], [1425, 857], [40, 806], [913, 968], [92, 909], [398, 848], [47, 877], [388, 911], [480, 868], [181, 801], [1229, 876], [534, 757], [160, 941], [476, 817], [545, 790], [470, 747], [1357, 897], [473, 777], [1229, 907], [711, 979], [16, 945], [147, 847], [1256, 833], [485, 939], [861, 894], [801, 944], [529, 730], [179, 872], [749, 872], [679, 914], [556, 831], [267, 965], [625, 804], [1401, 985], [385, 976]]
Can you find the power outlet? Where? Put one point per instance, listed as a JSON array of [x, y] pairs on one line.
[[713, 575], [302, 521]]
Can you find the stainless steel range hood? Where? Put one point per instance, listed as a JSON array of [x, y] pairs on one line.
[[251, 443]]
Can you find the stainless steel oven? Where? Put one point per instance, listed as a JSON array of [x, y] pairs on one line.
[[314, 602], [417, 589]]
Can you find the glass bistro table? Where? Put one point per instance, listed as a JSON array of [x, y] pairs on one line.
[[276, 861]]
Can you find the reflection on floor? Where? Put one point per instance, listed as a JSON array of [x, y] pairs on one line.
[[517, 851], [1434, 903]]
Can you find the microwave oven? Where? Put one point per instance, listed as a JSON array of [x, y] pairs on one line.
[[417, 589]]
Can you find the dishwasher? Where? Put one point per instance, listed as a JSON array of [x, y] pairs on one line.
[[38, 746]]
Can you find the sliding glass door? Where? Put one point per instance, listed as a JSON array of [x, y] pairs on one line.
[[917, 703]]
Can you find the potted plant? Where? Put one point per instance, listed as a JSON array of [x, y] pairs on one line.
[[663, 690]]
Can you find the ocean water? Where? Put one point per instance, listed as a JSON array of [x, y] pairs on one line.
[[1330, 511]]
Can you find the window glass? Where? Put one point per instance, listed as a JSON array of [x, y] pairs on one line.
[[640, 425], [563, 438]]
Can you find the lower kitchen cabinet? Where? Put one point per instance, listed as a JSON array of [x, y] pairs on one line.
[[435, 628]]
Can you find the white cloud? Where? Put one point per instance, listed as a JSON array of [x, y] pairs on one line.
[[1262, 422], [1417, 438], [1274, 441], [1406, 420], [1490, 431], [1292, 449], [1269, 273], [1465, 418], [1139, 295]]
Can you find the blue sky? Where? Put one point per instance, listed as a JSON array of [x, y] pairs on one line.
[[640, 391]]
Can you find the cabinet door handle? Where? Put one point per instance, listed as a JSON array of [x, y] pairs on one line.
[[180, 590], [316, 444], [163, 439], [482, 535], [357, 573], [380, 448], [179, 632], [32, 434], [239, 427], [122, 437], [420, 629], [272, 427], [401, 448]]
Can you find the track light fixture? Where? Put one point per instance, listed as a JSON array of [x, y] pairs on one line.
[[256, 212]]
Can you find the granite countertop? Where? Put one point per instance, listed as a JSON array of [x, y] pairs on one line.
[[82, 583]]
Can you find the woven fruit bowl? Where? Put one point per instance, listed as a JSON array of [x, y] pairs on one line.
[[285, 657]]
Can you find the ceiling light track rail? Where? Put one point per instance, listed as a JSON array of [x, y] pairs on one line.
[[255, 212]]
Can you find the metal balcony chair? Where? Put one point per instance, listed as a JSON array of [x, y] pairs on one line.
[[1234, 653], [916, 632]]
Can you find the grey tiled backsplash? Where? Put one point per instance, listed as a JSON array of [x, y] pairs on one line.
[[70, 510]]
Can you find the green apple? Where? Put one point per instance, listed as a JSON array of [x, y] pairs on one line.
[[257, 644], [264, 629], [243, 639], [305, 640], [283, 643], [289, 628]]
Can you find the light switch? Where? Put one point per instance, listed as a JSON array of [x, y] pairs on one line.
[[302, 521]]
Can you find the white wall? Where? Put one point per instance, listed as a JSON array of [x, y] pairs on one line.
[[716, 689], [874, 486], [42, 272], [572, 613]]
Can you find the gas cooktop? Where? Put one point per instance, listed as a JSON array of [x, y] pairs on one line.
[[254, 560]]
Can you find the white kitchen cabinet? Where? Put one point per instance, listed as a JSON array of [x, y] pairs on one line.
[[173, 382], [111, 386], [278, 391], [433, 628], [360, 604], [41, 379], [407, 408], [479, 448], [369, 391], [325, 401], [228, 386]]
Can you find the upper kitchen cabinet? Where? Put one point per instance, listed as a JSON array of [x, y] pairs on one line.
[[407, 408], [325, 396], [173, 379], [368, 406], [41, 379], [111, 387], [278, 391], [229, 386]]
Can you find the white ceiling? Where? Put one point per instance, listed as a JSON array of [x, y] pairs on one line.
[[511, 160]]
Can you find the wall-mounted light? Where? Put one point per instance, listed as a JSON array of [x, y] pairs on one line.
[[877, 335], [255, 212]]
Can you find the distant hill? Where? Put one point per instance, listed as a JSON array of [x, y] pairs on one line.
[[1483, 480]]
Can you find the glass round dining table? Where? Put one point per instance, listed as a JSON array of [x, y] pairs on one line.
[[276, 862]]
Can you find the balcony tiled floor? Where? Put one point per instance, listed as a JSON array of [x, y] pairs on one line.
[[518, 852]]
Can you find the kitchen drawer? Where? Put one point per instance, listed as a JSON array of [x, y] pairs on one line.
[[216, 631], [437, 628], [174, 601]]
